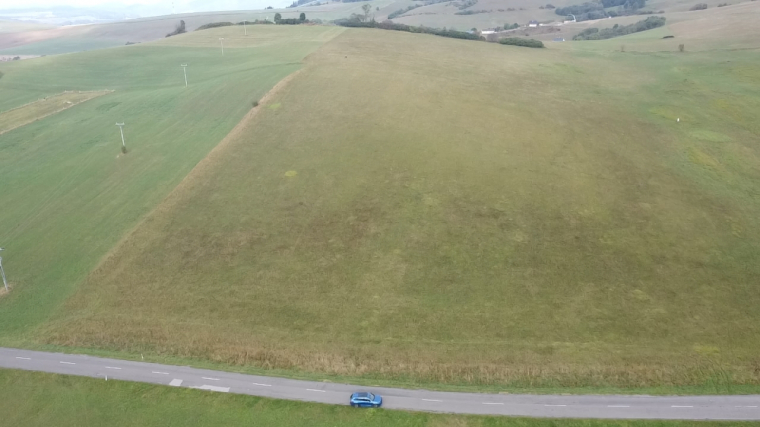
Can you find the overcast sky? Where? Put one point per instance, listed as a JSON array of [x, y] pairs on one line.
[[33, 3], [179, 4]]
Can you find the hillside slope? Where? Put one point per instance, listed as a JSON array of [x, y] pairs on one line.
[[69, 194], [445, 211]]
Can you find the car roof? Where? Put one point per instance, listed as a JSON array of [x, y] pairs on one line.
[[362, 394]]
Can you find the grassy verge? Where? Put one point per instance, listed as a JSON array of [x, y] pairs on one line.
[[37, 399]]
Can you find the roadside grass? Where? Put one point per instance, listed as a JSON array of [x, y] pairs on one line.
[[68, 193], [428, 211], [39, 399], [42, 108]]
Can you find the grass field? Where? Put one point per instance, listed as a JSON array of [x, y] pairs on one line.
[[68, 194], [42, 108], [35, 399], [420, 209]]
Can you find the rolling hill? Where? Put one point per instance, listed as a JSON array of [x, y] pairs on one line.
[[409, 209]]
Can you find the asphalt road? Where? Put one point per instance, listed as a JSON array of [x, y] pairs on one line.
[[576, 406]]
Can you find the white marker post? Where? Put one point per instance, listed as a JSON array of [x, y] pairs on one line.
[[123, 144], [184, 68], [221, 39], [245, 27], [5, 282]]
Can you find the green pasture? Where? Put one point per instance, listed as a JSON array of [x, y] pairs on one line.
[[69, 194]]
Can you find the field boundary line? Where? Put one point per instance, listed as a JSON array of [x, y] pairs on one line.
[[66, 107], [199, 169]]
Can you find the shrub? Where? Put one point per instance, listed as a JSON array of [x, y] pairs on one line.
[[550, 6], [389, 25], [277, 17], [511, 27], [466, 4], [699, 6], [516, 41], [255, 104], [179, 29], [616, 31], [214, 25], [256, 22], [302, 17], [471, 12], [290, 21], [681, 48], [723, 5], [400, 12]]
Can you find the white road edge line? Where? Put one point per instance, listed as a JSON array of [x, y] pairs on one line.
[[210, 379], [679, 406], [492, 403], [112, 367], [262, 385], [432, 400], [213, 388], [320, 391], [555, 405], [24, 358], [68, 363], [161, 373]]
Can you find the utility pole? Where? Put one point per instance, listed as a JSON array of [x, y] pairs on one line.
[[5, 282], [123, 144], [184, 68], [221, 39]]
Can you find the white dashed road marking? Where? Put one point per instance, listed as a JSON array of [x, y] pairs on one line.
[[213, 388], [176, 382], [161, 373], [68, 363], [678, 406], [492, 403], [24, 358], [555, 405], [618, 406], [112, 367], [210, 379], [432, 400], [311, 389], [262, 385]]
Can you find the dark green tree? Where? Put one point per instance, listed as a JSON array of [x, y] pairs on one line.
[[302, 17], [277, 17]]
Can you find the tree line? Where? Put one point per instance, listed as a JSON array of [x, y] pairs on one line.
[[387, 25], [593, 10], [620, 30]]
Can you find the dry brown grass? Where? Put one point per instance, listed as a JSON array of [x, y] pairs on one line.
[[37, 110], [463, 213]]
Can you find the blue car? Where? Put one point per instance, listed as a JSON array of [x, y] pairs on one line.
[[366, 400]]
